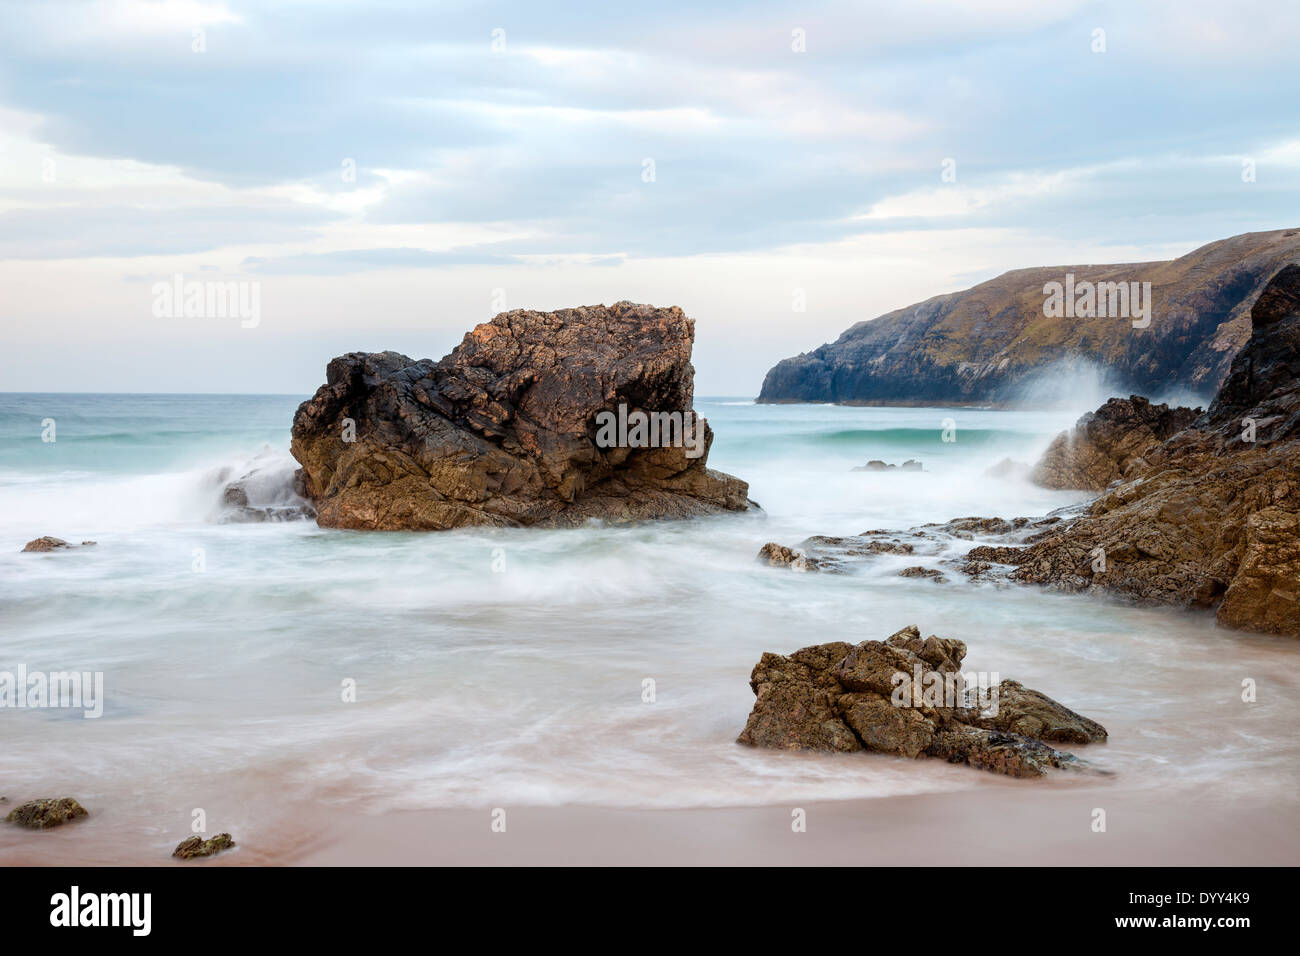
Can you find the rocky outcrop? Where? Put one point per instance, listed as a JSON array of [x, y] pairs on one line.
[[877, 465], [1108, 445], [194, 847], [504, 430], [46, 813], [1210, 518], [906, 696], [49, 543], [983, 344]]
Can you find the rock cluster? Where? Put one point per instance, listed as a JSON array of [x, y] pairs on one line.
[[1211, 516], [503, 431], [847, 698]]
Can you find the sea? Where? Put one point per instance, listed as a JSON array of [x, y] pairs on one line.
[[253, 669]]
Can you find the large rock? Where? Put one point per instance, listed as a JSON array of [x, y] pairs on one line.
[[1210, 518], [881, 696], [983, 344], [1109, 444], [503, 431]]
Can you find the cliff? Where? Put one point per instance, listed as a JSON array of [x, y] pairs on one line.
[[981, 345]]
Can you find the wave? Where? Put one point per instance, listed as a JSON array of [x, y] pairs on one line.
[[256, 487]]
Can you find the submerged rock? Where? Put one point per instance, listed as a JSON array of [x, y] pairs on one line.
[[504, 430], [906, 696], [46, 813], [49, 543], [196, 846], [877, 465]]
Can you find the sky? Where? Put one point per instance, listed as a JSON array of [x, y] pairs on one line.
[[388, 175]]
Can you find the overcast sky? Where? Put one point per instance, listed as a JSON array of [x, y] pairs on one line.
[[716, 156]]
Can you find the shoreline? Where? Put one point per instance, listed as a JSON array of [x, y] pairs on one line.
[[1008, 824]]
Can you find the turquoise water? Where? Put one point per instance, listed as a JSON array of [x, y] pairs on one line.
[[500, 668]]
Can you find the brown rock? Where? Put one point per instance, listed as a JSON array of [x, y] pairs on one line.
[[49, 543], [195, 846], [1109, 444], [840, 697], [795, 697], [1030, 713], [1010, 754], [1210, 517], [503, 431], [46, 813], [778, 556]]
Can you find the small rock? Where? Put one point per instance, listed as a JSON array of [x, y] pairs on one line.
[[779, 556], [46, 812], [917, 571], [195, 846]]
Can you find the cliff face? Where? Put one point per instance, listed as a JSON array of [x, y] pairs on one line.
[[506, 429], [980, 345], [1211, 516]]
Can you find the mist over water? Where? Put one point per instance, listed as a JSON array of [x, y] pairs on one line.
[[504, 668]]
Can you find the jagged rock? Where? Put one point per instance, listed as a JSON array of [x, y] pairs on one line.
[[195, 846], [1108, 445], [795, 705], [779, 556], [49, 543], [503, 431], [46, 812], [1210, 519], [1030, 713], [878, 696], [942, 654], [985, 343], [918, 571], [1010, 754]]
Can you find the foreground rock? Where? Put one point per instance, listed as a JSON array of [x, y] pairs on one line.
[[1109, 444], [46, 813], [195, 846], [845, 698], [503, 431], [48, 543], [1211, 517], [986, 343]]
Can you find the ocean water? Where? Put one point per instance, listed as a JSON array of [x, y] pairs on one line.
[[509, 668]]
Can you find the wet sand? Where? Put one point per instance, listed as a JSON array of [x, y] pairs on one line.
[[1029, 822]]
